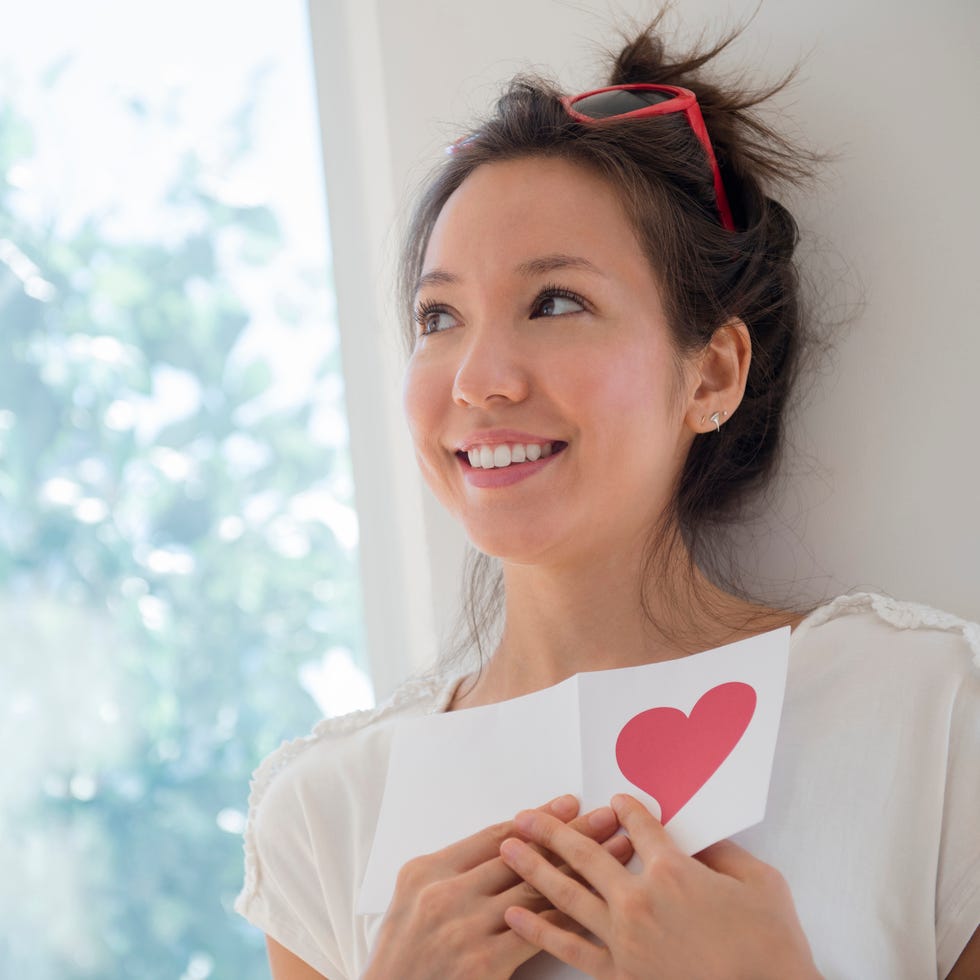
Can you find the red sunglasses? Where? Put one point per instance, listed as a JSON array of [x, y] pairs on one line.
[[636, 101]]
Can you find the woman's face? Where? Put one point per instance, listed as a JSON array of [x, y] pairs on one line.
[[541, 327]]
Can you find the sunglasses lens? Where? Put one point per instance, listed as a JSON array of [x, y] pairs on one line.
[[605, 105]]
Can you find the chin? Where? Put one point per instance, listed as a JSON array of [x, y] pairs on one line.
[[526, 546]]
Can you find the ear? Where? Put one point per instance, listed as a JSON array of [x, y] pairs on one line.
[[720, 373]]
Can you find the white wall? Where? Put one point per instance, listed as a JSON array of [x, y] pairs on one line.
[[884, 491]]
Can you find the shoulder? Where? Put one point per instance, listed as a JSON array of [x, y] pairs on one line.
[[897, 613], [333, 774], [870, 664], [418, 696], [879, 630], [875, 765], [908, 736]]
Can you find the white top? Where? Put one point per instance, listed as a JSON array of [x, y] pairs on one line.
[[872, 813]]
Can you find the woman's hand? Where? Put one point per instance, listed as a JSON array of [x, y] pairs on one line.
[[722, 914], [446, 918]]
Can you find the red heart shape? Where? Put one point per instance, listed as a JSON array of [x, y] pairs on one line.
[[670, 755]]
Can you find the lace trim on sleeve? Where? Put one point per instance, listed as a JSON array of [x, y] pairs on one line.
[[436, 689], [901, 615]]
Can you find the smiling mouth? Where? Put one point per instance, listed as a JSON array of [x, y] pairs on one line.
[[507, 455]]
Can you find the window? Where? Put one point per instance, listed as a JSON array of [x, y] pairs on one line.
[[178, 545]]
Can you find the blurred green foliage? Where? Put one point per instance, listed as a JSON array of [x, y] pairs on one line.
[[162, 579]]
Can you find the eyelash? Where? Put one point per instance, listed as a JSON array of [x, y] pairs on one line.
[[553, 291], [423, 311]]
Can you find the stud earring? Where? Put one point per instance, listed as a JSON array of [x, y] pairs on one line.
[[717, 418]]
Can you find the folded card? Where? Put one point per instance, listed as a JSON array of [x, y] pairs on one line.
[[692, 738]]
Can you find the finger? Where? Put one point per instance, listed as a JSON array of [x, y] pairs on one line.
[[509, 950], [645, 830], [563, 921], [542, 932], [620, 847], [484, 845], [599, 825], [602, 825], [582, 855], [560, 889], [523, 893], [727, 858], [494, 877]]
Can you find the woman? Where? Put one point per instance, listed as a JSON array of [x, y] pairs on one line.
[[605, 330]]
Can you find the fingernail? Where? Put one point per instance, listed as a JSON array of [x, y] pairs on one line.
[[564, 806], [525, 820], [510, 849], [603, 819], [619, 846], [517, 917]]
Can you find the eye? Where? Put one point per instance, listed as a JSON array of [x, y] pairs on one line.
[[557, 301], [433, 317]]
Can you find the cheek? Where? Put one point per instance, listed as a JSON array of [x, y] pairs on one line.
[[416, 398], [421, 394], [638, 391]]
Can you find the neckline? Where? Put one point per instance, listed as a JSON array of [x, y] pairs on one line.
[[802, 626]]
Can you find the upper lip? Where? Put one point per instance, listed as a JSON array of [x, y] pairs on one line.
[[500, 437]]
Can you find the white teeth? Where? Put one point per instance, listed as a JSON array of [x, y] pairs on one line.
[[501, 456]]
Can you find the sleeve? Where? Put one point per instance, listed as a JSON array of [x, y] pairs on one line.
[[281, 895], [958, 882]]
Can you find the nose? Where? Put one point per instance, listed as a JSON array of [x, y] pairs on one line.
[[492, 368]]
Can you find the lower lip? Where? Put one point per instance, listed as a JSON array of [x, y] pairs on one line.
[[505, 476]]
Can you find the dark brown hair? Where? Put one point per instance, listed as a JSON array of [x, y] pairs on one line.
[[707, 275]]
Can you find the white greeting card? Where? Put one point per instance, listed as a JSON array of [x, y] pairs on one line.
[[693, 738]]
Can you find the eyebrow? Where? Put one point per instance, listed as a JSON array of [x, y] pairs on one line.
[[532, 267], [437, 277], [559, 260]]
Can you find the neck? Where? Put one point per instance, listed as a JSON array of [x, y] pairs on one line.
[[563, 621]]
